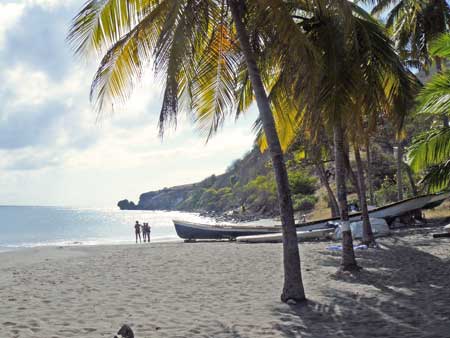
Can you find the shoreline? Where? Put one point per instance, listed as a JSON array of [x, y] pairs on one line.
[[81, 244]]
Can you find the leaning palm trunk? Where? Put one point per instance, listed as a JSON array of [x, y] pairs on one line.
[[367, 237], [412, 183], [399, 155], [369, 172], [350, 173], [324, 180], [348, 261], [293, 286]]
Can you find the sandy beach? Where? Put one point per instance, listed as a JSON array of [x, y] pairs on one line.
[[226, 290]]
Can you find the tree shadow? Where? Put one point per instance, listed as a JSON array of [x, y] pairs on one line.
[[409, 297]]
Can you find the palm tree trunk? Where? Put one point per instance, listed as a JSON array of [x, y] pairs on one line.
[[411, 179], [348, 261], [324, 180], [350, 173], [399, 156], [293, 285], [367, 237], [369, 172]]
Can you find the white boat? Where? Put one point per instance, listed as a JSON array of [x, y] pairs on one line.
[[318, 234], [388, 212]]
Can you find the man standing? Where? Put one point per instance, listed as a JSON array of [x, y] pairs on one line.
[[137, 231]]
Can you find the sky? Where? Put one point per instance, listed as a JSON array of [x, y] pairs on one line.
[[53, 148]]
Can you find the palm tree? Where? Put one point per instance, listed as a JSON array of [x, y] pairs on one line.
[[361, 76], [414, 24], [205, 50], [430, 151]]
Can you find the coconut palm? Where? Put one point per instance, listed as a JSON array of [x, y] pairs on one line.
[[414, 24], [361, 76], [430, 151], [203, 51]]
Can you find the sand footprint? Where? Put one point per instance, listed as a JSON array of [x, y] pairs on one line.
[[9, 324]]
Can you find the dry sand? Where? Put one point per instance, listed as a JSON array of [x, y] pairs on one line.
[[225, 290]]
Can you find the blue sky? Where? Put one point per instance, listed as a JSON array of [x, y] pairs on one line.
[[52, 149]]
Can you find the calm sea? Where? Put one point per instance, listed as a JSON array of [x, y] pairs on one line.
[[41, 226]]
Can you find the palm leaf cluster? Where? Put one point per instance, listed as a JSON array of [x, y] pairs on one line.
[[413, 24], [193, 48], [361, 78], [430, 151]]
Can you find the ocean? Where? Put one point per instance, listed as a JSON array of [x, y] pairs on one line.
[[26, 226]]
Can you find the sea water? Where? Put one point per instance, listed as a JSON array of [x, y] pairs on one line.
[[26, 226]]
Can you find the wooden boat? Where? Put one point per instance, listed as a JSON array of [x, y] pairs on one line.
[[197, 231]]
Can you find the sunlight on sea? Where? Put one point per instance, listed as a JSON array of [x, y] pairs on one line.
[[43, 226]]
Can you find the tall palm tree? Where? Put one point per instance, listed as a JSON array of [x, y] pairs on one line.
[[361, 76], [430, 151], [204, 50]]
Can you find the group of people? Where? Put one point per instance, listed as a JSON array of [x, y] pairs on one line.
[[145, 229]]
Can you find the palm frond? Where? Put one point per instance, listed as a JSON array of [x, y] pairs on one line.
[[435, 96], [429, 148], [437, 178], [101, 23], [123, 64], [215, 83], [441, 46]]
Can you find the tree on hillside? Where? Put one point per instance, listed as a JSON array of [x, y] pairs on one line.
[[204, 50]]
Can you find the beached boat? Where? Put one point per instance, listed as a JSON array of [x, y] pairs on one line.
[[318, 234], [197, 231], [388, 212]]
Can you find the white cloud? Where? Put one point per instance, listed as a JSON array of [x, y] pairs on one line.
[[9, 14]]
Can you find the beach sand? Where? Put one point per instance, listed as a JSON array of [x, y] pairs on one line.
[[226, 290]]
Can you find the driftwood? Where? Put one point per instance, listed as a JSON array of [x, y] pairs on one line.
[[442, 235]]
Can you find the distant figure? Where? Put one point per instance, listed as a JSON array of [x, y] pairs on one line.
[[304, 218], [137, 231], [145, 231]]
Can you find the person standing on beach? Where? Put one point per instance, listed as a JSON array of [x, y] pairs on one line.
[[137, 231], [149, 229], [145, 232]]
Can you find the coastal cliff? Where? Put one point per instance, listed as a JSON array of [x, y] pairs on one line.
[[220, 193]]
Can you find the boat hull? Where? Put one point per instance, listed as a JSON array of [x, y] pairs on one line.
[[196, 231], [318, 234]]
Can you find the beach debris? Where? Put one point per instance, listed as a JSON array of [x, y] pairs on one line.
[[125, 332], [379, 228], [445, 234], [355, 247]]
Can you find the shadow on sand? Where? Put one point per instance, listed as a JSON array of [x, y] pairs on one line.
[[413, 289]]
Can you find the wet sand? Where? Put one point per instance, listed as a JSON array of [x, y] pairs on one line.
[[226, 290]]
